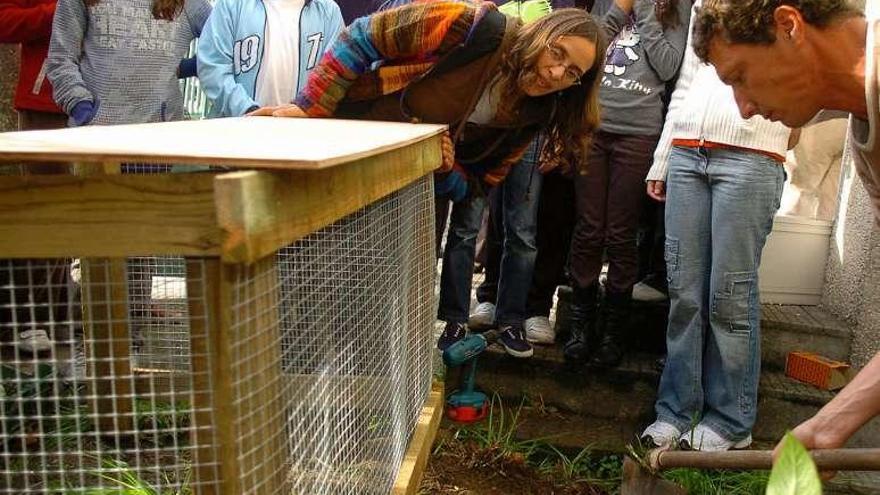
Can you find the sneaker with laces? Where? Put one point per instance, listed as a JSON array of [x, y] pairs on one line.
[[705, 439], [660, 434], [452, 333], [513, 338], [32, 341], [539, 330], [483, 316]]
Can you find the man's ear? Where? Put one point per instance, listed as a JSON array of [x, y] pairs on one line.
[[789, 22]]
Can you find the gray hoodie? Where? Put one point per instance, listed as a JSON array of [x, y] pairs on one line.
[[116, 55], [641, 59]]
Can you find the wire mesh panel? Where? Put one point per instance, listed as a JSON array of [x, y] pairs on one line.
[[79, 412], [302, 373], [356, 343]]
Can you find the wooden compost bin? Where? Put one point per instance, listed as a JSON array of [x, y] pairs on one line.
[[271, 182]]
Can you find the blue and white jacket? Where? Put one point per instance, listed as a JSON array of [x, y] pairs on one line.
[[232, 45]]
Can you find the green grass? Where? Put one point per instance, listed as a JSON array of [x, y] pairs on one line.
[[125, 481], [497, 436], [699, 482]]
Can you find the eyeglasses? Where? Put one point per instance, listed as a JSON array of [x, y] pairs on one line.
[[558, 55]]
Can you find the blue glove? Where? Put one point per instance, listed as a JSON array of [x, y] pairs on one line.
[[187, 68], [83, 112], [452, 185]]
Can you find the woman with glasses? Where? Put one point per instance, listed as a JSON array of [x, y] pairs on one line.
[[496, 82], [644, 55]]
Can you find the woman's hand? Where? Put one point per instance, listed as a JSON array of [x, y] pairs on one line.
[[289, 110], [657, 190], [447, 153]]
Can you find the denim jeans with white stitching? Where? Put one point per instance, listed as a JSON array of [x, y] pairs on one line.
[[518, 199], [719, 211]]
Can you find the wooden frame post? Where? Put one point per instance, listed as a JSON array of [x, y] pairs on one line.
[[106, 326], [245, 377], [202, 293]]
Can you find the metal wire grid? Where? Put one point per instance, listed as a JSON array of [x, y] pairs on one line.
[[81, 415], [356, 326]]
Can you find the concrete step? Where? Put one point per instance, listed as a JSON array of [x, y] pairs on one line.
[[783, 328], [624, 396], [802, 328]]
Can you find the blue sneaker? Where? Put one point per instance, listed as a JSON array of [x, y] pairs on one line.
[[451, 334], [513, 338]]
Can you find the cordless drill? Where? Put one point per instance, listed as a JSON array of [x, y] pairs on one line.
[[467, 405]]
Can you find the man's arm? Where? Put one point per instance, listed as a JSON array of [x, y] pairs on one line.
[[841, 418]]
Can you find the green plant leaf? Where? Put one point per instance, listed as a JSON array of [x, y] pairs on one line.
[[794, 472]]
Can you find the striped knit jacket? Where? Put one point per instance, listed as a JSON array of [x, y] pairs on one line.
[[382, 54]]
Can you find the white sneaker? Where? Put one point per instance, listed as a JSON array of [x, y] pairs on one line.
[[483, 316], [661, 434], [74, 366], [34, 341], [645, 293], [539, 330], [705, 439]]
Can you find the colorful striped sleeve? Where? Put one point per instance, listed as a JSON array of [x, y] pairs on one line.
[[417, 31]]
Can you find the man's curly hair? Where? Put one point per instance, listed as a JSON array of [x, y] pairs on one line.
[[751, 21]]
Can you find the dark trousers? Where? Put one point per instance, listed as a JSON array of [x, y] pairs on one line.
[[609, 198], [34, 292], [556, 217], [652, 239]]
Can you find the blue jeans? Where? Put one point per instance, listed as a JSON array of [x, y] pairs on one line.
[[719, 211], [517, 202]]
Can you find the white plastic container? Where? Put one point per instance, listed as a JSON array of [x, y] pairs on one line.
[[793, 264]]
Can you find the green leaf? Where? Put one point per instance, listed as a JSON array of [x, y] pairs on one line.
[[794, 472]]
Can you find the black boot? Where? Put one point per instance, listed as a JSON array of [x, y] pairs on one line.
[[616, 311], [582, 323]]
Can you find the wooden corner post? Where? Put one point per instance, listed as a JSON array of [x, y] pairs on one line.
[[247, 424]]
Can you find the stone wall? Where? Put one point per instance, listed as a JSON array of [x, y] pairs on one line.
[[8, 80], [852, 280]]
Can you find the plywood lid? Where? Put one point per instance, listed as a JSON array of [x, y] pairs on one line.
[[247, 142]]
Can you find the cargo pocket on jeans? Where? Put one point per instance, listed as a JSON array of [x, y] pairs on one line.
[[731, 304], [673, 265]]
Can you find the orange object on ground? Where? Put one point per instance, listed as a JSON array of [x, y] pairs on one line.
[[816, 370]]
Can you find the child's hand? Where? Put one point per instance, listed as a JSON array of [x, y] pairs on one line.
[[289, 110], [452, 184], [83, 112], [657, 190]]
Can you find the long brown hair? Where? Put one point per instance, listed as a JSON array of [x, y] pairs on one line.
[[162, 9], [577, 116], [666, 12]]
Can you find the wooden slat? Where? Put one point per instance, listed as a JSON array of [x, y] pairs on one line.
[[105, 322], [416, 458], [261, 212], [218, 301], [248, 414], [202, 287], [247, 142], [108, 216]]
